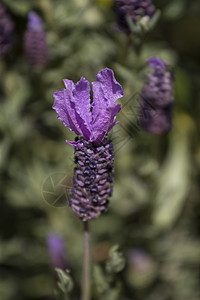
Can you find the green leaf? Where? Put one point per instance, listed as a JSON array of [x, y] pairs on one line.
[[100, 279], [116, 262], [65, 282], [174, 178]]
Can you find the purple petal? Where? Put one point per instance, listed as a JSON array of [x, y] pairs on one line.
[[106, 91], [115, 111], [65, 110], [73, 106], [81, 99], [69, 84], [111, 89]]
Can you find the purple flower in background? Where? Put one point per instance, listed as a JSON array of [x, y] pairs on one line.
[[35, 44], [141, 269], [139, 260], [6, 31], [94, 159], [135, 9], [156, 120], [56, 251], [159, 88], [157, 98]]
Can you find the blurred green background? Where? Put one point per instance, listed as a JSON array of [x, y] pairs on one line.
[[154, 214]]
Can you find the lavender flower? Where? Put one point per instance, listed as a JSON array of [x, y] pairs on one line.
[[135, 9], [94, 159], [35, 45], [157, 98], [56, 250], [139, 260], [141, 268], [6, 31]]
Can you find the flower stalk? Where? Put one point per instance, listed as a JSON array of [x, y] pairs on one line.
[[86, 262]]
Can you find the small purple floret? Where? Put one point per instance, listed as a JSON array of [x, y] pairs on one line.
[[157, 98]]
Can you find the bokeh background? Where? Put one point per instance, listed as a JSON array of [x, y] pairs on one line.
[[154, 214]]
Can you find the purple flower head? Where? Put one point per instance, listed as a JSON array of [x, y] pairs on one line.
[[35, 44], [92, 121], [6, 31], [56, 250], [134, 9], [157, 98], [93, 155]]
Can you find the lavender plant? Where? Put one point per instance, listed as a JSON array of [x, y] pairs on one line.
[[93, 153], [135, 18], [135, 9], [6, 31], [157, 98], [35, 44], [56, 251]]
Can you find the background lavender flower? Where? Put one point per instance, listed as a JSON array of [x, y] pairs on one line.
[[157, 98], [35, 44], [56, 251], [6, 31], [133, 8], [93, 152], [141, 268]]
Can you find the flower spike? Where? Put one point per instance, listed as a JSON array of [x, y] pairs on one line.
[[157, 98], [93, 153], [35, 43]]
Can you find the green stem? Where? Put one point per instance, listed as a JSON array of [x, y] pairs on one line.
[[86, 263]]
